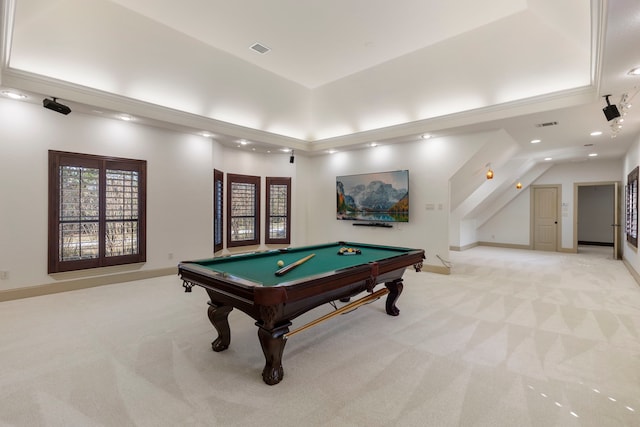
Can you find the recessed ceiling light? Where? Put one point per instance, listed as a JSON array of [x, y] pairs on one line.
[[243, 142], [634, 71], [548, 158], [593, 154], [596, 133], [373, 144], [425, 136], [535, 141], [125, 117], [13, 95], [331, 151], [286, 150], [206, 134]]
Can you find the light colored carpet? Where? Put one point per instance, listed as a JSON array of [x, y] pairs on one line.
[[510, 338]]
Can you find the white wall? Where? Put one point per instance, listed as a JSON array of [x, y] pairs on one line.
[[427, 229], [512, 222], [431, 163], [179, 185], [246, 162], [180, 188], [510, 225]]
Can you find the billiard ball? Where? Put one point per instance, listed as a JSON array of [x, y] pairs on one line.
[[280, 263]]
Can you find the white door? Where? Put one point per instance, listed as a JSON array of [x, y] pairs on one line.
[[545, 219]]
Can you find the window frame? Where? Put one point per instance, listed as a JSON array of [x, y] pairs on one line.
[[632, 207], [286, 181], [58, 159], [243, 179], [218, 210]]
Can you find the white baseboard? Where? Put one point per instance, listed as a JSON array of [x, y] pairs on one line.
[[632, 270]]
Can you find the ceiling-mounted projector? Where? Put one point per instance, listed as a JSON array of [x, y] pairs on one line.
[[53, 104], [610, 111]]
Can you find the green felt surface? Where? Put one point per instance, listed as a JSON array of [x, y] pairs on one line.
[[261, 267]]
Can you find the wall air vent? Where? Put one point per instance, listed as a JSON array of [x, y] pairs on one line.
[[544, 125], [260, 48]]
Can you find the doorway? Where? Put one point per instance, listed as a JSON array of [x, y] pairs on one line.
[[597, 210]]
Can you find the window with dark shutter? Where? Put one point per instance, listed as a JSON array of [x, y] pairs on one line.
[[218, 195], [97, 212], [278, 218], [243, 210]]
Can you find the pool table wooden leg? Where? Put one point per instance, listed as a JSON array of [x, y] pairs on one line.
[[395, 289], [273, 342], [218, 315]]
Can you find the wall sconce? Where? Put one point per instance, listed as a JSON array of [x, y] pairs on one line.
[[490, 174], [291, 157], [519, 185]]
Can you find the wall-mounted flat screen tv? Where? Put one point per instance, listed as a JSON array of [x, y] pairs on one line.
[[374, 197]]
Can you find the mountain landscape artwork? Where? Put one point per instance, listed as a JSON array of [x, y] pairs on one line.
[[382, 196]]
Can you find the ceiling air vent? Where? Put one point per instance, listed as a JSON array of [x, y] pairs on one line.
[[544, 125], [260, 48]]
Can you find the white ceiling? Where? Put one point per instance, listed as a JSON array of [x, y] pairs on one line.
[[534, 61], [316, 42]]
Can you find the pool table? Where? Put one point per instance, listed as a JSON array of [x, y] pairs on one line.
[[329, 273]]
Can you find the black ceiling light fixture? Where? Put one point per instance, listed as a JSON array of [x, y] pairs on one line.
[[291, 158], [53, 104], [610, 111]]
